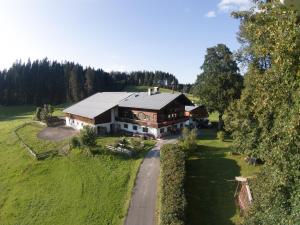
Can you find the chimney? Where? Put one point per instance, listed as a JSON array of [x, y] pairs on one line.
[[149, 91], [156, 90]]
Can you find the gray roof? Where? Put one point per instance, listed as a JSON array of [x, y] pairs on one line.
[[142, 100], [97, 104]]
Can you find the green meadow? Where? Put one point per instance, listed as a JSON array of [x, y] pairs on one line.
[[210, 184], [74, 189]]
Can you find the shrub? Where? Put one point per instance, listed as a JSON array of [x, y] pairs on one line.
[[44, 113], [137, 145], [221, 135], [75, 142], [173, 201], [37, 115], [88, 136], [189, 139]]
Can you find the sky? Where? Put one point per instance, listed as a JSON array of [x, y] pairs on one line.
[[119, 35]]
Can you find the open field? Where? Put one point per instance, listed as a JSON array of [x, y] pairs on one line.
[[77, 189], [210, 186]]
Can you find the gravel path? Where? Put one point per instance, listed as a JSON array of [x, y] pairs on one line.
[[57, 133]]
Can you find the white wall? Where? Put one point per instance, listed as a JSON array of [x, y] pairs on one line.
[[153, 131], [76, 124]]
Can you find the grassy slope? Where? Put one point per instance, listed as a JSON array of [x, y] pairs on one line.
[[210, 189], [62, 190]]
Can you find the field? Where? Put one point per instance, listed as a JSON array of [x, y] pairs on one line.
[[75, 189], [210, 181]]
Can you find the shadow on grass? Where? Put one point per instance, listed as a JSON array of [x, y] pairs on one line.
[[209, 187], [15, 112]]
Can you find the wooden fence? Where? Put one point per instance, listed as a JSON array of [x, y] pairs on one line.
[[38, 156]]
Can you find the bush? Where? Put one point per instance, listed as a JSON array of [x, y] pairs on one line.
[[88, 136], [75, 142], [221, 135], [189, 139], [173, 201], [44, 113], [137, 145]]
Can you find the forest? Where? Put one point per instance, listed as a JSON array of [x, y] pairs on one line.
[[44, 81]]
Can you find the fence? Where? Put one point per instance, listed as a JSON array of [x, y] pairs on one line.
[[38, 156]]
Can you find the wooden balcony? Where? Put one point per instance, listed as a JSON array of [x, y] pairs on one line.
[[151, 123]]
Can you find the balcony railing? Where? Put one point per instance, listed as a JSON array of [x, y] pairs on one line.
[[151, 123]]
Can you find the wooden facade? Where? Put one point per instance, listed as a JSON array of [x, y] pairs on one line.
[[171, 114], [83, 119], [100, 119]]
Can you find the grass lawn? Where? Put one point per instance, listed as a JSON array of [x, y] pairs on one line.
[[77, 189], [210, 187], [28, 134]]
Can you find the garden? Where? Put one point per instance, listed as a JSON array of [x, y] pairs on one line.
[[210, 180]]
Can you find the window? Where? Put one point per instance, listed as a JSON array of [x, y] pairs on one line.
[[134, 127], [125, 125], [145, 129], [162, 130], [181, 125]]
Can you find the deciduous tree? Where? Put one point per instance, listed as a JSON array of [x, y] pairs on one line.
[[220, 82]]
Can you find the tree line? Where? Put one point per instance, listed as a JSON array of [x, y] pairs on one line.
[[262, 110], [51, 82]]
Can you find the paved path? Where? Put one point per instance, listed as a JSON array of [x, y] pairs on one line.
[[142, 207]]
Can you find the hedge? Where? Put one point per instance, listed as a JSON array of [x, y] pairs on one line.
[[173, 201]]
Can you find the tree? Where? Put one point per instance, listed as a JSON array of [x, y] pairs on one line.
[[220, 82], [265, 121]]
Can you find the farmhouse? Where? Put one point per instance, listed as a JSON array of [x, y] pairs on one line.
[[150, 113]]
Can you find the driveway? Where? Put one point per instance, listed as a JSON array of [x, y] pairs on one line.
[[142, 209], [57, 133]]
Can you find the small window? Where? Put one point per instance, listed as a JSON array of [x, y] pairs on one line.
[[162, 130], [125, 125], [134, 127], [145, 129]]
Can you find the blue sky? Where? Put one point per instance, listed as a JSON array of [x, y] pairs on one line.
[[125, 35]]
